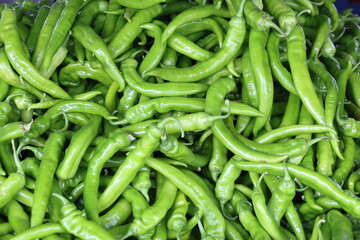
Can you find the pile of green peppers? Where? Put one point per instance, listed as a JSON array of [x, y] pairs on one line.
[[179, 119]]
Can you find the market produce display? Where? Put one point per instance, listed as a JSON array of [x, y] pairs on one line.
[[179, 119]]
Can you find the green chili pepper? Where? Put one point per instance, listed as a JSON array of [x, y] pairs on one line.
[[31, 40], [322, 33], [134, 80], [225, 185], [20, 62], [12, 79], [77, 147], [151, 216], [92, 9], [244, 210], [352, 180], [278, 70], [218, 159], [262, 75], [24, 196], [88, 37], [42, 123], [339, 224], [216, 94], [214, 223], [145, 110], [127, 34], [312, 179], [61, 29], [13, 183], [193, 13], [142, 182], [231, 45], [5, 228], [284, 15], [135, 160], [282, 195], [250, 90], [292, 130], [45, 33], [176, 150], [117, 215], [40, 231], [137, 201], [201, 25], [13, 130], [177, 220], [348, 126], [258, 19], [17, 217], [76, 224], [160, 230], [49, 162], [344, 167], [73, 72], [352, 85], [120, 23], [301, 75], [115, 141], [231, 232], [263, 214], [110, 19]]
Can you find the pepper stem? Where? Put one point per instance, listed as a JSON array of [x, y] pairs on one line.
[[318, 227], [286, 172], [128, 234], [8, 98], [207, 133], [302, 188], [222, 208], [66, 124], [279, 31], [355, 67], [16, 151], [227, 103], [257, 186], [63, 200], [34, 150], [168, 119], [315, 140], [302, 12], [339, 120], [241, 9], [201, 227]]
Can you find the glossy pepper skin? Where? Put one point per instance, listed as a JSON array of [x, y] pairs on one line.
[[214, 222], [317, 181], [116, 140], [61, 29], [78, 225], [232, 43], [49, 162], [350, 127], [19, 60], [301, 76], [92, 41], [132, 164], [340, 225], [214, 97], [146, 80], [151, 216], [14, 183]]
